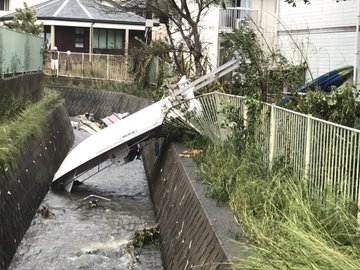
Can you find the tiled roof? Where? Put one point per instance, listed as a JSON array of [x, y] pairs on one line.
[[83, 10]]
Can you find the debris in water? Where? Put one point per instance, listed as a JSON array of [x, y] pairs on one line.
[[45, 212], [91, 205], [142, 237], [146, 236], [190, 153]]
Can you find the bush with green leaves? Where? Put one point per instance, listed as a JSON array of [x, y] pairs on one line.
[[263, 73], [338, 106]]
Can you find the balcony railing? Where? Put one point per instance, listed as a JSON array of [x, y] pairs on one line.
[[236, 17]]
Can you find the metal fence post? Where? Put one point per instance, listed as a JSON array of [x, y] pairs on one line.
[[107, 66], [82, 64], [307, 146], [272, 135], [58, 67], [245, 114]]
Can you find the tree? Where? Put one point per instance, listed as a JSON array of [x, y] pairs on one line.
[[25, 20], [182, 19], [263, 72]]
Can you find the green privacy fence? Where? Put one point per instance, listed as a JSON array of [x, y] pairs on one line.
[[19, 52]]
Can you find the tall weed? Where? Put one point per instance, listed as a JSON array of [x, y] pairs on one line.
[[30, 121], [286, 227]]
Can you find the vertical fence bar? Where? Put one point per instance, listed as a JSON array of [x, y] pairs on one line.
[[82, 64], [272, 135], [357, 200], [245, 114], [307, 147], [107, 66], [59, 61]]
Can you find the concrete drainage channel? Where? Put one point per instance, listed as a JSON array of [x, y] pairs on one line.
[[70, 233], [91, 227], [195, 232]]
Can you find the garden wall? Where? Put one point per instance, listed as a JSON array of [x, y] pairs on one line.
[[23, 187]]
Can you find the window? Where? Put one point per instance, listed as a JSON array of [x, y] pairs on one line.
[[79, 42], [108, 39], [4, 5], [242, 3], [79, 37]]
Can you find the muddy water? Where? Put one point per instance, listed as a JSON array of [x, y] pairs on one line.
[[78, 236]]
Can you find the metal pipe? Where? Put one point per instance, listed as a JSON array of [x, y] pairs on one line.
[[356, 60]]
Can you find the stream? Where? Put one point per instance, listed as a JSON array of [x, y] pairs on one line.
[[75, 231]]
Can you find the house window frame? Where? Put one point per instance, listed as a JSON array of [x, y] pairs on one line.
[[107, 34], [79, 37], [4, 5]]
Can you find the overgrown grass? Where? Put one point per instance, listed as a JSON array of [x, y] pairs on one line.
[[11, 107], [286, 227], [28, 122]]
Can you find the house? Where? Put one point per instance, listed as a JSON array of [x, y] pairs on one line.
[[235, 14], [89, 26], [8, 6], [323, 34]]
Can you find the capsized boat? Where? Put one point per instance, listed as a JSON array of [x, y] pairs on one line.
[[118, 142], [325, 82], [114, 142]]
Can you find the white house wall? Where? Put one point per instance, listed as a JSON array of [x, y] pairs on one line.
[[322, 52], [267, 18], [210, 36], [208, 28], [318, 14], [322, 34]]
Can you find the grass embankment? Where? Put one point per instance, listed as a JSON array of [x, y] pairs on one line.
[[285, 227], [19, 121]]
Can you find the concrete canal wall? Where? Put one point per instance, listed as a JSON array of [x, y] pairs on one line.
[[23, 186], [26, 86], [101, 103], [196, 233]]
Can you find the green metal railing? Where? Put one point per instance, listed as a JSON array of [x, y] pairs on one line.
[[19, 52]]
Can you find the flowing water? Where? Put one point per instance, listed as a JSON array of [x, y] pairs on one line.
[[81, 235]]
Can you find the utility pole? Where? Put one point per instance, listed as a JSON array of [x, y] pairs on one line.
[[357, 47], [148, 23]]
